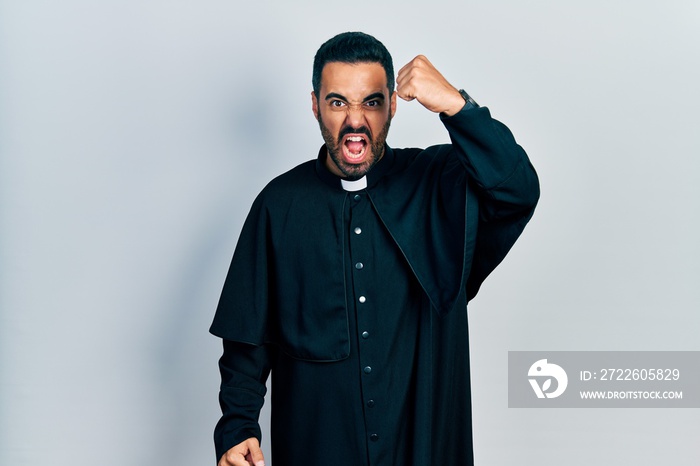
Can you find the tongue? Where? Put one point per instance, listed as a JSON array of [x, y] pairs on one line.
[[355, 146]]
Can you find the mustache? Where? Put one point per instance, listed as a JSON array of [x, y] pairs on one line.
[[350, 130]]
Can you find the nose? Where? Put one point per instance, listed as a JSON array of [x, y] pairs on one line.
[[355, 116]]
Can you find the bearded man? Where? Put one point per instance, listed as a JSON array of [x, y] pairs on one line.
[[352, 273]]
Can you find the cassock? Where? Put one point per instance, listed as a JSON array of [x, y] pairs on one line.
[[354, 296]]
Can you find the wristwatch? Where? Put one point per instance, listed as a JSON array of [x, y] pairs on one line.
[[467, 98]]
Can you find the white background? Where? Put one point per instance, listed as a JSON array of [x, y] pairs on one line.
[[135, 134]]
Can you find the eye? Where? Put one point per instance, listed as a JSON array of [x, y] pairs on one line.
[[373, 104], [337, 103]]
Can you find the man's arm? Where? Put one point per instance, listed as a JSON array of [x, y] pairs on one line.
[[497, 168], [244, 370]]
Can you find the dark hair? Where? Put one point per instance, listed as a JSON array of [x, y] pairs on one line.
[[352, 47]]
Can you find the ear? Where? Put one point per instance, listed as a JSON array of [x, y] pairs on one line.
[[392, 104], [314, 104]]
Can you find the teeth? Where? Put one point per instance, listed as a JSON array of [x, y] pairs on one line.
[[355, 138]]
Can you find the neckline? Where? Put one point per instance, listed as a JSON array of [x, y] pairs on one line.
[[367, 181]]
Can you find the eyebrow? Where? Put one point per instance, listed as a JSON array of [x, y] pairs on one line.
[[376, 95]]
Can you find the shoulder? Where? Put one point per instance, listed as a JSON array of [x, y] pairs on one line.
[[297, 179], [298, 189], [293, 179]]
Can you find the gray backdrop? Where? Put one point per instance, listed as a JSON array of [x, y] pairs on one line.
[[135, 134]]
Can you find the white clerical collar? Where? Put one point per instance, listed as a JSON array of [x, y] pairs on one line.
[[356, 185]]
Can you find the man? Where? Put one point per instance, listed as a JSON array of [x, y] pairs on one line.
[[352, 274]]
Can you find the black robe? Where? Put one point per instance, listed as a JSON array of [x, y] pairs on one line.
[[440, 219]]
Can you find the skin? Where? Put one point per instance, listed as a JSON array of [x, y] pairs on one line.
[[421, 81], [353, 102], [246, 453], [343, 110]]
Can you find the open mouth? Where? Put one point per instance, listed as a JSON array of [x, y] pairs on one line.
[[354, 147]]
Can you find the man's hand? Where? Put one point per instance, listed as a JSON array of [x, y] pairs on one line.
[[421, 81], [246, 453]]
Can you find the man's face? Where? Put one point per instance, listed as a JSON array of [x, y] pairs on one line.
[[354, 110]]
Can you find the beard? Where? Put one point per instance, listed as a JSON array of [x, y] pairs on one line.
[[352, 171]]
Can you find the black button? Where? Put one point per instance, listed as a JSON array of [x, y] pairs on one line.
[[357, 197], [365, 334], [370, 403], [374, 437], [359, 265], [367, 369]]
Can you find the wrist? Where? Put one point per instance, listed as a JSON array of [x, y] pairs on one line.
[[455, 104]]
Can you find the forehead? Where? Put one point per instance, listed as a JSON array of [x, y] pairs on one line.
[[353, 80]]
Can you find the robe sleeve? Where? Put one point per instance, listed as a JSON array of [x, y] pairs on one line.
[[505, 183], [244, 370]]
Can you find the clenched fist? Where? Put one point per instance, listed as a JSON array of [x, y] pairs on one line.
[[420, 80], [246, 453]]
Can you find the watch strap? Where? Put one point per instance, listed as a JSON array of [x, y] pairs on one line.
[[471, 103]]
